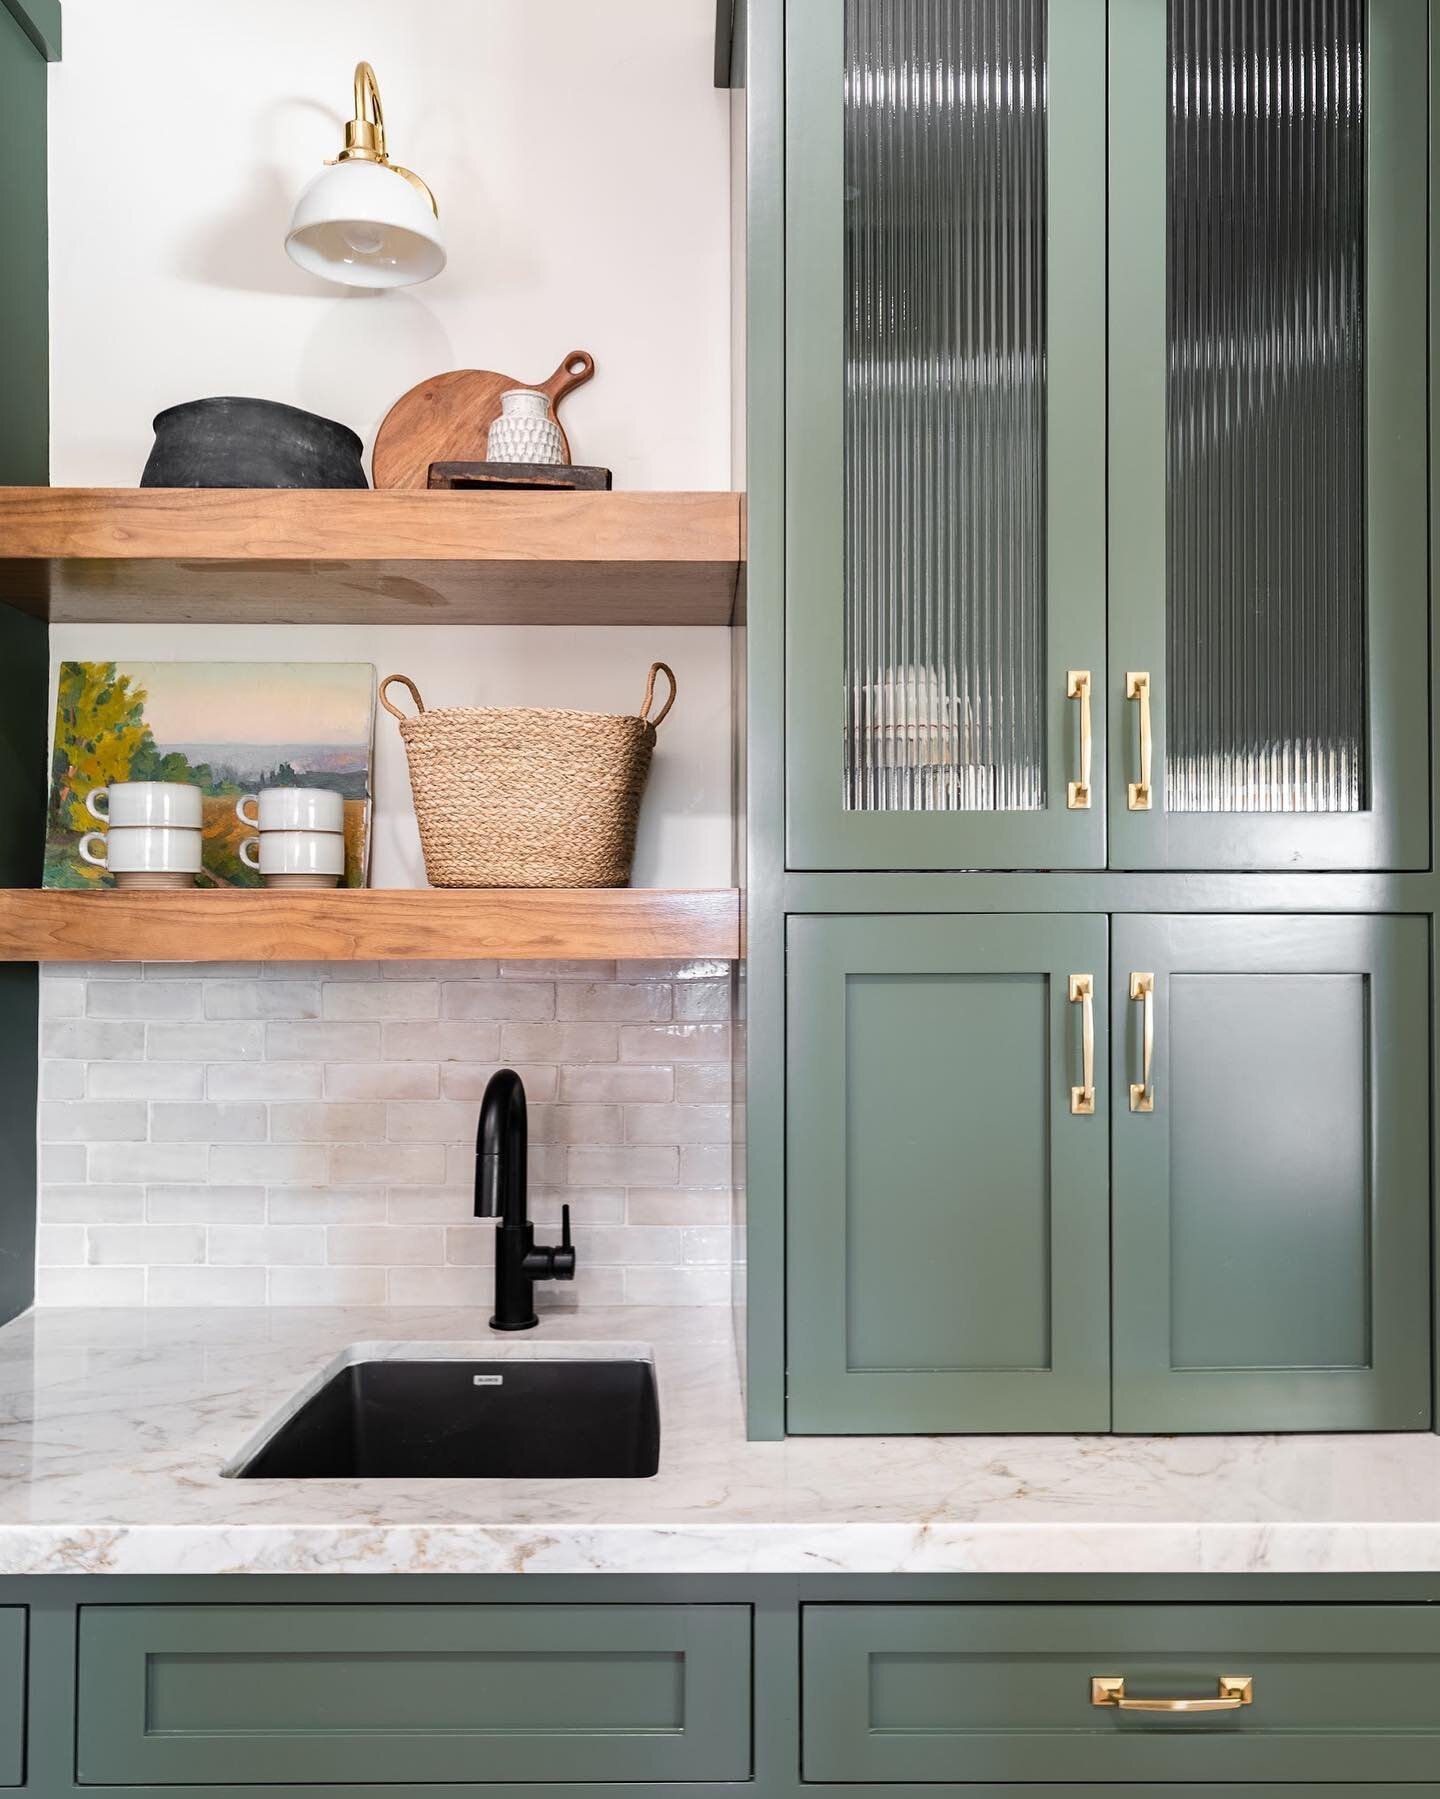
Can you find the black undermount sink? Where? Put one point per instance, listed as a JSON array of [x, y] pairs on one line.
[[516, 1420]]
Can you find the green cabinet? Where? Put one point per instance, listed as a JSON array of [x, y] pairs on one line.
[[227, 1695], [12, 1695], [947, 1185], [1271, 1178]]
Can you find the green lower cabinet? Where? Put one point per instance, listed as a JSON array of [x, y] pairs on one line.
[[947, 1209], [12, 1695], [1271, 1207], [212, 1695], [961, 1694]]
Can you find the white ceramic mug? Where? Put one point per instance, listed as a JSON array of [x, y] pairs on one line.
[[176, 804], [144, 855], [292, 809], [314, 858]]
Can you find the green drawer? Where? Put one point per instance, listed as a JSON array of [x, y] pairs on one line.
[[975, 1693], [12, 1695], [234, 1694]]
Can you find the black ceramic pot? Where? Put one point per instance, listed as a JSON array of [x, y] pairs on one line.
[[251, 443]]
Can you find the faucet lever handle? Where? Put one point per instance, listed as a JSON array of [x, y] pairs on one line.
[[562, 1260]]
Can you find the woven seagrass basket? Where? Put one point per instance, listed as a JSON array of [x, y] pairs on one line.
[[512, 796]]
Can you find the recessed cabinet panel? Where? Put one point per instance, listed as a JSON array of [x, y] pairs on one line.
[[945, 365], [230, 1695], [1271, 1173], [12, 1695], [947, 1174]]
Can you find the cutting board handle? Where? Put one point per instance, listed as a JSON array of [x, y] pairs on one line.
[[574, 371]]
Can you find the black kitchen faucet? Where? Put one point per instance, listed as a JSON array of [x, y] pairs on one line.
[[500, 1192]]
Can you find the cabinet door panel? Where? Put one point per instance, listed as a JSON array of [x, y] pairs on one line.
[[945, 347], [1271, 1212], [1268, 436], [947, 1210]]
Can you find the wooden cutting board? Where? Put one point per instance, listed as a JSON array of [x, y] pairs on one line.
[[448, 417]]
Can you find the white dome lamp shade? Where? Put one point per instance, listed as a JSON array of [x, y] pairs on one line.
[[364, 221]]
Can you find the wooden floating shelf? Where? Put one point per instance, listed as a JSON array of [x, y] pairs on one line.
[[369, 925], [83, 555]]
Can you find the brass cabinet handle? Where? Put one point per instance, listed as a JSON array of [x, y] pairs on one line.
[[1235, 1690], [1077, 687], [1137, 687], [1082, 993], [1142, 1092]]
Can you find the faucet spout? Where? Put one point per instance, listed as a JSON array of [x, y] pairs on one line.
[[501, 1192]]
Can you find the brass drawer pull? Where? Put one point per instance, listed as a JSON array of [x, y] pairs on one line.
[[1235, 1690], [1082, 993], [1142, 1092], [1137, 687], [1077, 687]]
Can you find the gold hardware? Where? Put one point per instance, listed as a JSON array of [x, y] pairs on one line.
[[1142, 1093], [365, 134], [1235, 1690], [1082, 993], [1077, 687], [1137, 687]]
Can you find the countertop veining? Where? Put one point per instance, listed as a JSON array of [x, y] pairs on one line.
[[116, 1426]]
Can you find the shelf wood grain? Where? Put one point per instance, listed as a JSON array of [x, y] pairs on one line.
[[266, 556], [369, 925]]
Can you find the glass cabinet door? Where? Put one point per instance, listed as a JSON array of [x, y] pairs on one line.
[[945, 350], [1268, 532]]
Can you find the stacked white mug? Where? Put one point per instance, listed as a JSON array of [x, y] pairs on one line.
[[152, 837], [302, 835]]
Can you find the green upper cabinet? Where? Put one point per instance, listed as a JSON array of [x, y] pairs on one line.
[[1268, 434], [948, 1164], [1271, 1173], [945, 454]]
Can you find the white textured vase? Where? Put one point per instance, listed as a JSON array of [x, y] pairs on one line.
[[525, 431]]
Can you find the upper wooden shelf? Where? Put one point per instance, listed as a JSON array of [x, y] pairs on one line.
[[266, 556], [369, 925]]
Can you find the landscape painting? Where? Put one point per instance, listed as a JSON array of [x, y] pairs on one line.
[[228, 728]]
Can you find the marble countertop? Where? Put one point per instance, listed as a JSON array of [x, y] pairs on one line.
[[115, 1427]]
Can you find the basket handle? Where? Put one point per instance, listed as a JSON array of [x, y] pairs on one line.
[[395, 711], [656, 668]]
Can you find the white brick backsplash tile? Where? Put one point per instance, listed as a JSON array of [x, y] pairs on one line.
[[92, 1205], [265, 1246], [262, 999], [93, 1040], [576, 1124], [674, 1042], [202, 971], [353, 1000], [115, 1245], [325, 1205], [61, 999], [678, 1205], [471, 1245], [705, 1165], [376, 1081], [611, 1002], [148, 1163], [206, 1121], [432, 1121], [319, 971], [270, 1164], [62, 1080], [93, 1121], [323, 1041], [558, 1042], [557, 971], [439, 971], [595, 1287], [98, 971], [702, 1001], [626, 1165], [624, 1247], [389, 1165], [613, 1083], [327, 1286], [215, 1042], [532, 1000], [701, 969], [143, 999], [468, 1080], [703, 1083], [205, 1205], [60, 1246], [146, 1080], [677, 1286], [708, 1246], [205, 1286], [588, 1205], [64, 1163], [441, 1042], [444, 1287], [239, 1081], [326, 1123], [431, 1205], [90, 1286], [384, 1245], [677, 1124]]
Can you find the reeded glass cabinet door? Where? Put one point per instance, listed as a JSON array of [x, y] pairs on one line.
[[945, 685], [1268, 598]]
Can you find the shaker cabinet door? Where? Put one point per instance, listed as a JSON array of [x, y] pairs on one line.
[[1271, 1180], [947, 1210], [1268, 689], [945, 452]]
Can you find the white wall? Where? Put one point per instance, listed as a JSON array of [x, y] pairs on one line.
[[579, 154]]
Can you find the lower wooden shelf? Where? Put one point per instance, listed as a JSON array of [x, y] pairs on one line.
[[369, 925]]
